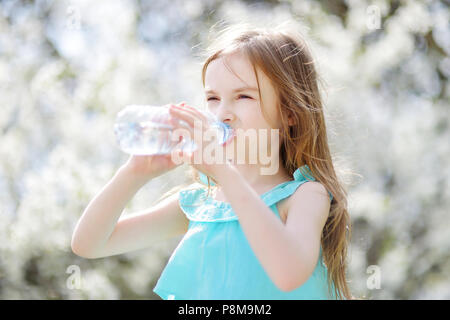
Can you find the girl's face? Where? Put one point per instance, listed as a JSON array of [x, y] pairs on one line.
[[241, 109]]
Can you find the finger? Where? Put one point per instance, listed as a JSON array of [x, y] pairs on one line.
[[180, 113], [182, 132], [196, 112], [192, 110], [203, 126], [178, 117], [186, 157], [192, 115], [176, 157], [193, 120]]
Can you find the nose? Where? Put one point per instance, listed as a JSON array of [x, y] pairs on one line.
[[224, 114]]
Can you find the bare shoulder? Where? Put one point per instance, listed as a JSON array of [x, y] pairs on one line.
[[309, 194], [310, 188]]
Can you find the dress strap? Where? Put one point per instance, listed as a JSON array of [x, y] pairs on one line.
[[301, 175], [199, 207], [204, 179], [281, 192]]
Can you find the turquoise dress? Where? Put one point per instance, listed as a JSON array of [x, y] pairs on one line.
[[215, 261]]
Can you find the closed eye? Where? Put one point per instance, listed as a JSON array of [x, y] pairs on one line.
[[241, 96]]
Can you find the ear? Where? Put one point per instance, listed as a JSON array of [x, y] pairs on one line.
[[290, 119]]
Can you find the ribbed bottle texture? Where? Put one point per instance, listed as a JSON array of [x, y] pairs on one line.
[[147, 130]]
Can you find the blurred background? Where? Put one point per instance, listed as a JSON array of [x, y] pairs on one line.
[[68, 67]]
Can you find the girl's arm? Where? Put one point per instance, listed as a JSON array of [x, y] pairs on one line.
[[98, 234], [288, 253], [100, 216]]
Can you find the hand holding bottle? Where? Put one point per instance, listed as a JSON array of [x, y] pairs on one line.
[[148, 130], [148, 166], [149, 134], [200, 131]]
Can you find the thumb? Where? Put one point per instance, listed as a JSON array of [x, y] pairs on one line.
[[179, 157], [187, 157]]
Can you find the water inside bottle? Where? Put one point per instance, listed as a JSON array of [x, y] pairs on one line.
[[148, 138], [147, 131]]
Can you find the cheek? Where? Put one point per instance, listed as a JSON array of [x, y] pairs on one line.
[[270, 118], [275, 120]]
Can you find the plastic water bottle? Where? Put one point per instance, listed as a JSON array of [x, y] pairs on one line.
[[147, 130]]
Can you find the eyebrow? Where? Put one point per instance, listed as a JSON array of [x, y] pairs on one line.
[[236, 90]]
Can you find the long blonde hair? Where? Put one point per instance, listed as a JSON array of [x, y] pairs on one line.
[[284, 57]]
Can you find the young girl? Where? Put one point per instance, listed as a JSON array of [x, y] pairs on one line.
[[258, 236]]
